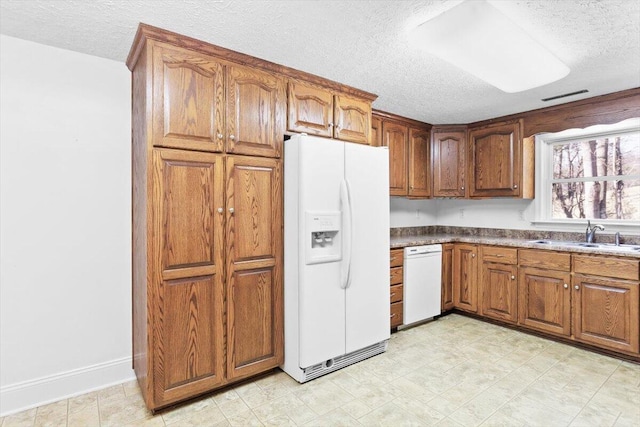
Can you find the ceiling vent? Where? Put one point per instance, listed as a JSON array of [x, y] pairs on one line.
[[565, 95]]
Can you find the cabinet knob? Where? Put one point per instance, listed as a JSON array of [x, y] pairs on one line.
[[220, 136], [515, 186], [393, 294], [220, 210], [576, 287], [513, 277], [393, 315], [473, 255], [329, 125], [232, 137], [231, 210], [462, 188], [566, 286]]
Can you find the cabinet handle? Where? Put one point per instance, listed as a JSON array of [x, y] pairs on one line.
[[220, 210], [392, 294], [576, 287], [232, 137], [566, 286], [513, 277], [473, 255], [499, 255], [462, 188], [338, 127], [515, 186], [393, 315], [220, 136], [231, 210], [329, 125]]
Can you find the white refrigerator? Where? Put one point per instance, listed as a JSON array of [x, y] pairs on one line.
[[336, 262]]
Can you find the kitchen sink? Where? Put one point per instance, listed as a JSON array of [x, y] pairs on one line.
[[602, 246]]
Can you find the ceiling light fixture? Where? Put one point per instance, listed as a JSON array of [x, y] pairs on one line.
[[479, 39]]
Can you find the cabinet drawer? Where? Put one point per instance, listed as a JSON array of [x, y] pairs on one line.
[[396, 293], [499, 255], [396, 276], [619, 268], [396, 314], [396, 257], [545, 259]]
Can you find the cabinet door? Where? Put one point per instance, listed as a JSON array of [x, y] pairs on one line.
[[499, 292], [545, 300], [605, 312], [256, 103], [188, 100], [310, 109], [419, 163], [394, 136], [188, 301], [376, 131], [352, 119], [449, 163], [495, 163], [447, 277], [254, 265], [465, 277]]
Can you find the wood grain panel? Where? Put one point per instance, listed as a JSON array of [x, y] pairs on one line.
[[499, 254], [449, 162], [256, 104], [621, 268], [494, 163], [352, 119], [190, 190], [310, 109], [396, 275], [605, 313], [255, 329], [544, 259], [395, 293], [395, 314], [188, 100], [447, 277], [465, 277], [395, 137], [376, 131], [499, 292], [419, 163], [545, 300], [396, 258]]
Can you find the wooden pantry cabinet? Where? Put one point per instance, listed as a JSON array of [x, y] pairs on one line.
[[320, 111], [207, 218]]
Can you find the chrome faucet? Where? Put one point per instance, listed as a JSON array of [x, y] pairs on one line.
[[591, 231]]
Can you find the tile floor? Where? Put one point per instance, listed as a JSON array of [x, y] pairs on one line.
[[455, 371]]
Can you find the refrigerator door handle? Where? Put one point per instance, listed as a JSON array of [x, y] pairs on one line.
[[347, 230]]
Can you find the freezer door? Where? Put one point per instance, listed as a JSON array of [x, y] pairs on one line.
[[367, 297], [321, 298]]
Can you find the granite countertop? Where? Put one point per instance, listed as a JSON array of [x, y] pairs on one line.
[[417, 236]]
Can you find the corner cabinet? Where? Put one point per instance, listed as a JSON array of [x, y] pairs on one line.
[[319, 111], [501, 163], [465, 277], [207, 220]]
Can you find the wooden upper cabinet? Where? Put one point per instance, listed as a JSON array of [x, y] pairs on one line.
[[419, 163], [395, 136], [188, 100], [256, 103], [495, 160], [352, 119], [319, 111], [255, 328], [449, 150], [188, 333], [310, 109], [376, 131]]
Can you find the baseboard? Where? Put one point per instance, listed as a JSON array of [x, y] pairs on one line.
[[41, 391]]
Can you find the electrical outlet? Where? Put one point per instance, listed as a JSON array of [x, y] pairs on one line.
[[461, 213], [418, 213]]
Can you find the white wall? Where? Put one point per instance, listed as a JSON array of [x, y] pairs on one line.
[[489, 213], [412, 213], [65, 297]]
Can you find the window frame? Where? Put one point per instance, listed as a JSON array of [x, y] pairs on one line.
[[544, 176]]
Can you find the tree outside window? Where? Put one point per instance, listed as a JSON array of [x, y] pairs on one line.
[[597, 177]]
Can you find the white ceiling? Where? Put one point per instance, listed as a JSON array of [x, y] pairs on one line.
[[360, 43]]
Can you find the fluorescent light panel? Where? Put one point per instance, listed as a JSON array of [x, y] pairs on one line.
[[479, 39]]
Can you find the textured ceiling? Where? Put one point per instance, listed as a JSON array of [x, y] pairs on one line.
[[360, 43]]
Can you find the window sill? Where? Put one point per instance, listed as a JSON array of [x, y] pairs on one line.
[[611, 226]]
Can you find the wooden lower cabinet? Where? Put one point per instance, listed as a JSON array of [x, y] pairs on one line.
[[545, 300], [396, 275], [605, 312], [465, 277], [499, 292], [447, 277]]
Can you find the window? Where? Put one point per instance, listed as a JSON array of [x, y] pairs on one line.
[[590, 174]]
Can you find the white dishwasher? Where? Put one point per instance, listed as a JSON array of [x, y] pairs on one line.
[[422, 283]]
